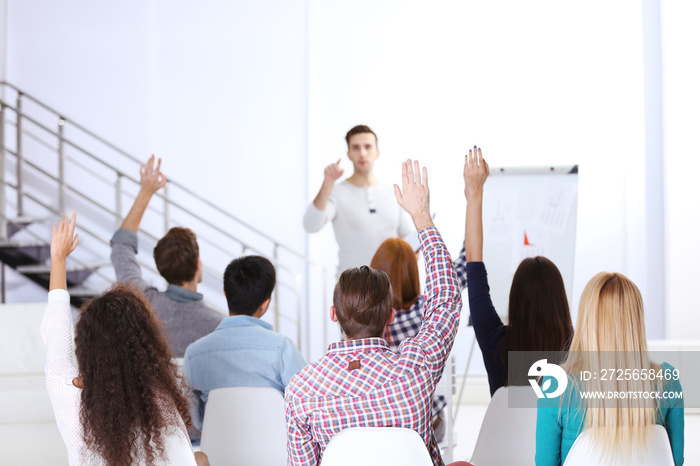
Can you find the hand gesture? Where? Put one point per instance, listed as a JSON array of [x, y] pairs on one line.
[[62, 240], [415, 196], [476, 170], [332, 172], [152, 180]]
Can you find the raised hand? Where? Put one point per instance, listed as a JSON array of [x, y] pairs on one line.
[[414, 198], [476, 170], [151, 180], [332, 172], [62, 240]]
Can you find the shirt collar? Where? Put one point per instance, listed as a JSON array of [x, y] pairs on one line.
[[243, 321], [357, 346], [181, 294]]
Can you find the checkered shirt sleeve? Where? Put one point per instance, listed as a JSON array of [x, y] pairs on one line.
[[363, 383]]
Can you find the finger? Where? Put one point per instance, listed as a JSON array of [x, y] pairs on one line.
[[397, 193], [468, 163], [158, 166], [416, 171], [337, 164], [488, 172], [404, 174], [480, 160], [75, 242], [425, 177], [54, 230], [149, 164], [409, 172]]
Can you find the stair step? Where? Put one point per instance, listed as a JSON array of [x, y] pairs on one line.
[[79, 295], [18, 253], [15, 224], [75, 273], [71, 267]]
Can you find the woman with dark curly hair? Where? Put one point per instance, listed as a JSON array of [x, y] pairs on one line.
[[123, 403]]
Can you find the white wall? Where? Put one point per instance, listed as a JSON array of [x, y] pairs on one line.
[[681, 68]]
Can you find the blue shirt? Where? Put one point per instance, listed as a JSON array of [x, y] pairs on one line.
[[557, 429], [243, 351]]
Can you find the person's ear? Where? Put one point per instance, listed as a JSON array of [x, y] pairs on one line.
[[334, 317], [391, 316], [263, 308]]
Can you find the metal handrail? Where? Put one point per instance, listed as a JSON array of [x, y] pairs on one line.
[[21, 117], [170, 202], [139, 161]]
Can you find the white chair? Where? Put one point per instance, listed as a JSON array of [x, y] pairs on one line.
[[245, 426], [376, 446], [658, 452], [507, 435]]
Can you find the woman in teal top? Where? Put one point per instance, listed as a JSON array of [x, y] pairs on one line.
[[610, 334]]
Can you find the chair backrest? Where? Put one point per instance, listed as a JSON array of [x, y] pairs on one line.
[[376, 446], [658, 452], [507, 435], [245, 425]]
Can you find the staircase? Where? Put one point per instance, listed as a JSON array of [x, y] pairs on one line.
[[50, 165]]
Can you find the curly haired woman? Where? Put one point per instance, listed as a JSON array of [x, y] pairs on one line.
[[123, 403]]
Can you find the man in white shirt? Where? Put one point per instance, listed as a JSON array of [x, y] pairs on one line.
[[364, 213]]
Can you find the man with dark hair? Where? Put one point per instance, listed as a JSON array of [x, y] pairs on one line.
[[360, 382], [243, 351], [362, 210], [181, 309]]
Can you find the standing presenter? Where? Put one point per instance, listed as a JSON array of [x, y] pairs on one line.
[[364, 213]]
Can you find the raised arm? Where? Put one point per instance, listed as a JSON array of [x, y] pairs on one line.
[[442, 294], [321, 210], [488, 326], [151, 181], [125, 240], [57, 333], [476, 170], [330, 175]]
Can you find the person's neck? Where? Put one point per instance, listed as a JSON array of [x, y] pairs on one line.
[[191, 285], [363, 180]]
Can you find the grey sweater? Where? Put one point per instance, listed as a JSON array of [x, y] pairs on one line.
[[185, 318]]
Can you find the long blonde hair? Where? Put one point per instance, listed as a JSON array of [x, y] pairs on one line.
[[610, 335]]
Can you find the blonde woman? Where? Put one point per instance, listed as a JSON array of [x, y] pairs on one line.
[[610, 344]]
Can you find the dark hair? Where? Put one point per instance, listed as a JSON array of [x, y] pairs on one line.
[[248, 282], [360, 129], [538, 311], [176, 255], [362, 300], [132, 389], [397, 258]]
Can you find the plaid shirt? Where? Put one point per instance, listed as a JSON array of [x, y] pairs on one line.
[[363, 383], [407, 321]]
